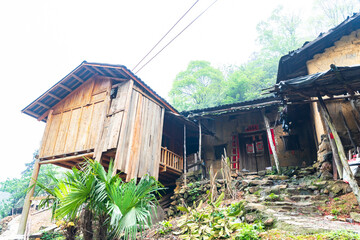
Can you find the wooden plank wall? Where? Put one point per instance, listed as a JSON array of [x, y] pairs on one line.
[[139, 144], [74, 123]]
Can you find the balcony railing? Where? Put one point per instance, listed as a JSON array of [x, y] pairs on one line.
[[172, 160]]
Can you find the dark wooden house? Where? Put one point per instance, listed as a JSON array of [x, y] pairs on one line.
[[240, 129]]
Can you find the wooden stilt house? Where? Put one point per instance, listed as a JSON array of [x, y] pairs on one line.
[[105, 112]]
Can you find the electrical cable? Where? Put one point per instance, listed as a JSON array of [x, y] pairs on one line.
[[176, 36], [166, 34]]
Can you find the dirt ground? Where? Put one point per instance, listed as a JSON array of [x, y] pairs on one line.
[[36, 220]]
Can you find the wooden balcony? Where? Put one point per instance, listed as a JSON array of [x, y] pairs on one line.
[[171, 162]]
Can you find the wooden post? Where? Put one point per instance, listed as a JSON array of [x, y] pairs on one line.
[[199, 140], [334, 150], [200, 160], [185, 163], [352, 182], [27, 201], [347, 129], [272, 144]]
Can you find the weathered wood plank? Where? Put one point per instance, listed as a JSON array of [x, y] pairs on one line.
[[73, 130], [119, 156], [133, 153], [63, 130], [117, 111], [46, 133], [50, 142], [158, 143], [145, 154]]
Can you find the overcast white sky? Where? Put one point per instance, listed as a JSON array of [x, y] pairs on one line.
[[42, 41]]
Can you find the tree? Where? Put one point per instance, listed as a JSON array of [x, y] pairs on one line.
[[277, 36], [331, 12], [17, 187], [199, 86], [122, 207]]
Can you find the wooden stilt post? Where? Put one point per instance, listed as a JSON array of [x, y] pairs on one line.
[[352, 182], [272, 144], [29, 195], [185, 163], [334, 150]]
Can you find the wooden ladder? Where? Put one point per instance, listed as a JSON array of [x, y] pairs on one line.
[[235, 152]]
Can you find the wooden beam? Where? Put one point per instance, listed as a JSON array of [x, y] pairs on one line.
[[32, 113], [64, 159], [27, 201], [43, 105], [352, 182], [199, 141], [109, 72], [90, 70], [65, 87], [99, 71], [77, 78], [54, 96], [334, 150], [342, 80], [272, 144]]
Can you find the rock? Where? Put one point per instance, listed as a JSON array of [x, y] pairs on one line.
[[326, 176], [349, 220], [251, 199], [173, 203], [252, 190], [234, 175], [326, 191], [325, 167], [262, 173], [250, 218], [355, 216], [329, 217], [278, 177], [320, 184], [291, 190], [245, 183], [338, 187], [269, 222], [277, 188], [312, 187], [252, 207]]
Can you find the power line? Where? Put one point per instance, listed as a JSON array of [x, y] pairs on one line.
[[166, 34], [176, 36]]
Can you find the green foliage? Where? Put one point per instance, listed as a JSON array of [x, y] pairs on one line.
[[51, 236], [335, 212], [127, 206], [236, 209], [249, 231], [18, 187], [215, 222], [273, 196], [165, 228], [343, 235], [199, 86]]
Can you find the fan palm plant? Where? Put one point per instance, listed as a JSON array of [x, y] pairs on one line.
[[122, 208]]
